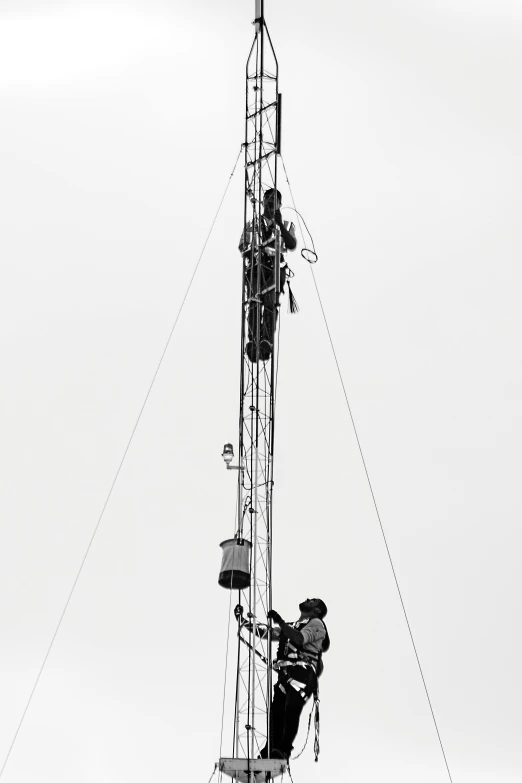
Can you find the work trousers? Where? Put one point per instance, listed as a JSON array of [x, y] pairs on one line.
[[265, 303], [287, 705]]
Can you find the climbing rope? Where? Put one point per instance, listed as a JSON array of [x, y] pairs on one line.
[[118, 471], [372, 493], [294, 758], [226, 668], [308, 255]]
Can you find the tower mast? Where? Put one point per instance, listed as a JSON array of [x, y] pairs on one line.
[[247, 559]]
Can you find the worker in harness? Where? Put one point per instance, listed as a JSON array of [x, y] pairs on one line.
[[299, 664], [260, 270]]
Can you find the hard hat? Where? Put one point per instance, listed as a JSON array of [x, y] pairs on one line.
[[270, 192]]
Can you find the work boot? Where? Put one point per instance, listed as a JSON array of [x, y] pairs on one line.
[[265, 350], [250, 350]]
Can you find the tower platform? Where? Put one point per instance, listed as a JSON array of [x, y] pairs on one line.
[[260, 769]]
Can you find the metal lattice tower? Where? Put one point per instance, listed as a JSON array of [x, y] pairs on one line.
[[256, 410]]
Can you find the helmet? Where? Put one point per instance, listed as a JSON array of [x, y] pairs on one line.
[[270, 192]]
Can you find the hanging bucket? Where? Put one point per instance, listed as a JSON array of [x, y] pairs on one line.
[[235, 564]]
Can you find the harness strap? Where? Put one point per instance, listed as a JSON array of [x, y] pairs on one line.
[[283, 664], [297, 653], [251, 647]]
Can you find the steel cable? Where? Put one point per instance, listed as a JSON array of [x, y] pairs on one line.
[[372, 492], [89, 546]]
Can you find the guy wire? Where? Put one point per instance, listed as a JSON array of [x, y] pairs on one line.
[[372, 492], [91, 541]]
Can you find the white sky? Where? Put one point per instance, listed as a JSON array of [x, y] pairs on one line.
[[120, 124]]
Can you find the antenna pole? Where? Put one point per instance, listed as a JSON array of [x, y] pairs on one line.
[[253, 693]]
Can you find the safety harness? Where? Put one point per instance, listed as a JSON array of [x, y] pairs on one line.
[[288, 655], [268, 239]]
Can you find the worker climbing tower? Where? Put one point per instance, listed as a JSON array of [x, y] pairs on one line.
[[247, 558]]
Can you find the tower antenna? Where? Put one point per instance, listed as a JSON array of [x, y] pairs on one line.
[[247, 558]]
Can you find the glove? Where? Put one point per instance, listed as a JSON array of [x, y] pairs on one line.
[[275, 616], [278, 219]]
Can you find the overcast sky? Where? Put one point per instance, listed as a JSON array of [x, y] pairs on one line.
[[120, 125]]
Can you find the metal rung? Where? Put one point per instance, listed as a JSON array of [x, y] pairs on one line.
[[238, 768]]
